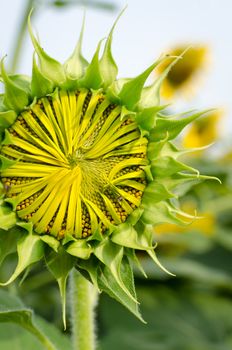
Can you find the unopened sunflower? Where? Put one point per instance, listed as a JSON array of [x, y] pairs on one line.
[[87, 168]]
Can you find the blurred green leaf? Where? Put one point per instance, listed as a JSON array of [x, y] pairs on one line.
[[14, 337], [12, 310], [177, 320], [190, 269]]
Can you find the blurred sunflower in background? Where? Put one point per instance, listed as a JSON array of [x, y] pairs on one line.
[[203, 132], [183, 76]]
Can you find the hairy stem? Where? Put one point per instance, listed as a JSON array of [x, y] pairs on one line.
[[83, 302]]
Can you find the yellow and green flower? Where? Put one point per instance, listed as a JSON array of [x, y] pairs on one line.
[[88, 167]]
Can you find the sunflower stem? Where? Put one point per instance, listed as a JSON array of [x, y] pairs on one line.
[[83, 302], [21, 32]]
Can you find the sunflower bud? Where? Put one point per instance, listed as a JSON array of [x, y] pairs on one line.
[[87, 166]]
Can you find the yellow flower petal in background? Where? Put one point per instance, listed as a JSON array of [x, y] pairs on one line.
[[203, 132], [182, 77]]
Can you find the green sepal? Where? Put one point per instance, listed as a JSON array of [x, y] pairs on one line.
[[96, 236], [146, 118], [157, 149], [6, 162], [15, 97], [24, 81], [108, 284], [8, 242], [131, 90], [68, 238], [108, 66], [125, 235], [7, 217], [179, 181], [114, 89], [52, 242], [155, 192], [7, 118], [167, 166], [40, 85], [147, 235], [147, 170], [126, 112], [30, 249], [80, 249], [153, 255], [28, 226], [135, 216], [76, 64], [111, 255], [13, 202], [60, 264], [131, 254], [172, 126], [89, 269], [49, 67], [160, 213], [150, 95], [92, 78], [7, 140]]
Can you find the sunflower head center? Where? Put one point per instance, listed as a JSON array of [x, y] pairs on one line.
[[77, 164]]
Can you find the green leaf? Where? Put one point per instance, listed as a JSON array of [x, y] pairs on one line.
[[174, 315], [15, 337], [30, 249], [60, 264], [108, 284], [188, 268], [13, 311]]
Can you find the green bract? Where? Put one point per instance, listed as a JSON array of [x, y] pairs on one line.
[[87, 168]]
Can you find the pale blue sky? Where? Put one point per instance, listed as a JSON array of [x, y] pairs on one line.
[[147, 28]]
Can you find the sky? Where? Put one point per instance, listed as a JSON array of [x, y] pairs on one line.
[[146, 29]]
